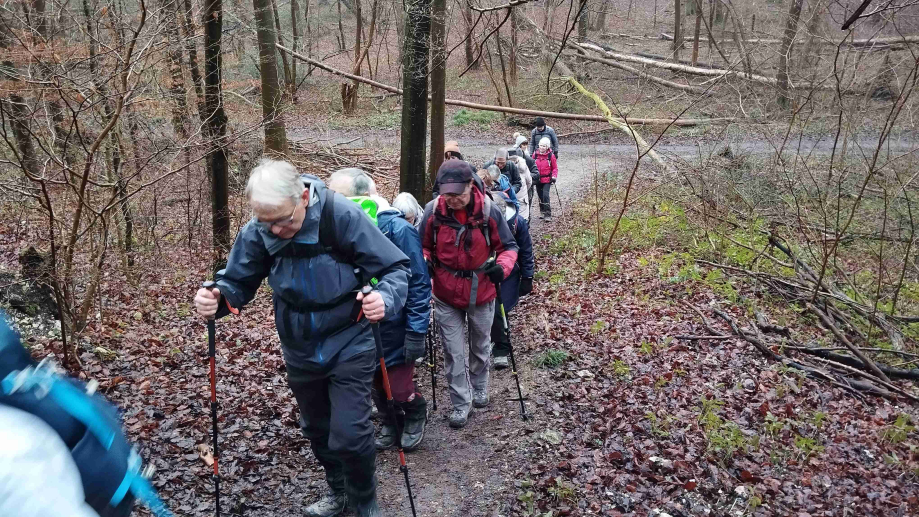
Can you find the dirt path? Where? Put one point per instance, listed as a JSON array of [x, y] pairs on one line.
[[470, 472]]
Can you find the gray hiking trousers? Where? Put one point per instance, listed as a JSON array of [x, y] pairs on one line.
[[465, 370]]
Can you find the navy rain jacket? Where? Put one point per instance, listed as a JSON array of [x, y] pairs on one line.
[[525, 265], [314, 296], [415, 316]]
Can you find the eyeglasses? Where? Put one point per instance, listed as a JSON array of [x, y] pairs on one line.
[[281, 223]]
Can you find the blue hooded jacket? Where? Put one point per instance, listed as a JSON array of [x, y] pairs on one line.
[[415, 316], [314, 296]]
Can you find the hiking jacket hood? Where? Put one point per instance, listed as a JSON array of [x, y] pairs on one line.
[[536, 135], [462, 247], [314, 296], [415, 316], [548, 168]]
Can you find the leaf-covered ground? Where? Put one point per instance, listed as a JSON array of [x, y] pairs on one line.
[[625, 418]]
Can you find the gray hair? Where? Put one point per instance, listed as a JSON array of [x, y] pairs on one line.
[[272, 183], [501, 153], [499, 201], [494, 172], [406, 203], [360, 183]]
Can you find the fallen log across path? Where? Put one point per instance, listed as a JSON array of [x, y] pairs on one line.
[[686, 122]]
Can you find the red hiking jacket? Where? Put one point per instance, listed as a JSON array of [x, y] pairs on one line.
[[548, 169], [459, 249]]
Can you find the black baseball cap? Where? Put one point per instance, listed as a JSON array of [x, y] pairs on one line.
[[453, 176]]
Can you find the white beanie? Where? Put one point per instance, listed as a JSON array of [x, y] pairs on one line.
[[545, 140]]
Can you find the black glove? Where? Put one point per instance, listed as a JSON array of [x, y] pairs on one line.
[[495, 273], [553, 180], [430, 268], [414, 346], [526, 286]]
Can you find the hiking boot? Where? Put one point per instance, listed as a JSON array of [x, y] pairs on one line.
[[458, 418], [368, 508], [416, 418], [374, 412], [480, 398], [329, 505], [387, 437], [500, 362]]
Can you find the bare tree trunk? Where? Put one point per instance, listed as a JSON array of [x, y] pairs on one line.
[[272, 95], [467, 44], [294, 17], [512, 53], [19, 114], [791, 30], [289, 79], [415, 97], [438, 86], [341, 29], [583, 22], [677, 29], [600, 23], [740, 38], [191, 48], [695, 40], [216, 118], [507, 88], [349, 90]]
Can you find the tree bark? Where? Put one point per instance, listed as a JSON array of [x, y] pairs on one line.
[[600, 23], [471, 63], [19, 122], [791, 30], [217, 160], [438, 87], [349, 90], [272, 95], [191, 48], [677, 29], [583, 22], [695, 40], [288, 77], [512, 53], [415, 97], [294, 18]]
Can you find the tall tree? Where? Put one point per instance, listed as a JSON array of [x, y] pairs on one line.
[[217, 161], [583, 24], [294, 18], [415, 97], [438, 84], [695, 39], [471, 62], [349, 90], [272, 94], [677, 29], [512, 54], [791, 30]]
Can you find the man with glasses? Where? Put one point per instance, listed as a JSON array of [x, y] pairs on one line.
[[317, 250], [469, 249]]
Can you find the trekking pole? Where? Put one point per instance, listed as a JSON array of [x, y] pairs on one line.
[[560, 207], [507, 334], [390, 405], [212, 353], [432, 358]]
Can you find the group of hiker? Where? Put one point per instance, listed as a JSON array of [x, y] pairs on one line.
[[357, 285]]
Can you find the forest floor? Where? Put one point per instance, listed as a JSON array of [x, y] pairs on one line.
[[624, 417]]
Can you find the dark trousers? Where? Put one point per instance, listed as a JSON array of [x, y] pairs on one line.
[[400, 381], [335, 417], [502, 346], [545, 207]]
